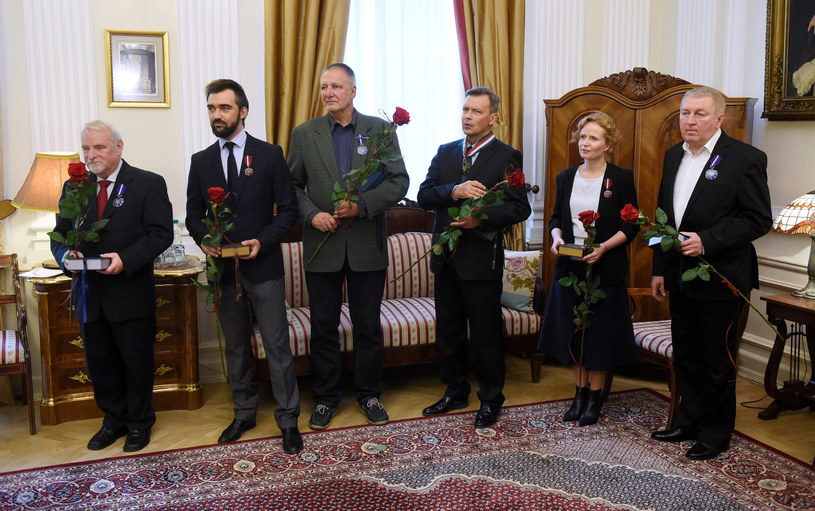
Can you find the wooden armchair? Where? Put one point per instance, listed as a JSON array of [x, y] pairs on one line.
[[652, 335], [15, 357]]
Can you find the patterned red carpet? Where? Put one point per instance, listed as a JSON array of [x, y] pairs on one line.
[[530, 460]]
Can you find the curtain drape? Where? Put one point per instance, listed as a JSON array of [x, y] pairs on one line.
[[494, 51], [302, 37]]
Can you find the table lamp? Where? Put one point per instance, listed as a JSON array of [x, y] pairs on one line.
[[798, 217], [40, 192]]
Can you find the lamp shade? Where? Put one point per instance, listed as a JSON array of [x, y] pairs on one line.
[[798, 217], [43, 186]]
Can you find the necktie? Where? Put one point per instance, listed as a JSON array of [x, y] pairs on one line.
[[467, 162], [102, 197], [231, 169]]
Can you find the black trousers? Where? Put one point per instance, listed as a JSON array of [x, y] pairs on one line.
[[365, 290], [120, 361], [477, 303], [706, 344]]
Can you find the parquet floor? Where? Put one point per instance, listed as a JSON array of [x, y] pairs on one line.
[[407, 391]]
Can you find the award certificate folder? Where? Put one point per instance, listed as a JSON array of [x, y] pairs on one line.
[[87, 263], [572, 249], [235, 250]]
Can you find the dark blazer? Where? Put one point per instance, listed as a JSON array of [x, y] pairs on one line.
[[253, 211], [613, 266], [314, 169], [728, 213], [139, 231], [480, 252]]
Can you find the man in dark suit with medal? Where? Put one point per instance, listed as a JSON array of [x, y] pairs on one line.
[[714, 190], [117, 306], [468, 282], [254, 288], [323, 150]]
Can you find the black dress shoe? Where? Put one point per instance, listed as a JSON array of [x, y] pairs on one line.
[[137, 439], [702, 451], [292, 441], [445, 405], [673, 435], [487, 415], [235, 430], [104, 437]]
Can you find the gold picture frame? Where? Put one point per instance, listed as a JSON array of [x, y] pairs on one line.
[[789, 76], [138, 68]]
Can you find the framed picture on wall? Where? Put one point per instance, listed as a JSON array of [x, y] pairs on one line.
[[138, 69], [789, 77]]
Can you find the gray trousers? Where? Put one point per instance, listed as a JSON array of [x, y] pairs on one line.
[[267, 301]]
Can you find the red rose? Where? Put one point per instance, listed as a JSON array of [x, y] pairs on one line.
[[587, 218], [516, 178], [77, 171], [401, 116], [629, 214], [216, 194]]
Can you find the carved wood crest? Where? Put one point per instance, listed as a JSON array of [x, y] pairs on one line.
[[638, 83]]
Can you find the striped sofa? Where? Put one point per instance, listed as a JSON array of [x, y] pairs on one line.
[[407, 315]]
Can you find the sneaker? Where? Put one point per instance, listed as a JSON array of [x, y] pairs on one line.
[[374, 411], [321, 417]]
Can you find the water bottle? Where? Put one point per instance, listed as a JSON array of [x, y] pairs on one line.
[[178, 243]]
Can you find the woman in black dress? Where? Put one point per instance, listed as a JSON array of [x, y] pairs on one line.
[[599, 186]]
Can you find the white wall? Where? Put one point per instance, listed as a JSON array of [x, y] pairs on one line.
[[713, 42]]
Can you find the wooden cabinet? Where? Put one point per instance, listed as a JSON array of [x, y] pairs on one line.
[[645, 106], [67, 393]]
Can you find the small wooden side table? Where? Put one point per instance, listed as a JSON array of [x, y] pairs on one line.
[[794, 394], [67, 392]]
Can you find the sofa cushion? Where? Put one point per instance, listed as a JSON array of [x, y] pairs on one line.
[[408, 321], [520, 269], [403, 250], [654, 336], [520, 323], [294, 277]]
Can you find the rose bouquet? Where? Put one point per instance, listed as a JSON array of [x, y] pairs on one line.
[[588, 290], [74, 207], [378, 148], [669, 240], [472, 207], [218, 228]]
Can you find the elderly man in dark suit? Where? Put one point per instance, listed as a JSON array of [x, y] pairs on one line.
[[117, 306], [323, 150], [714, 189], [468, 282], [258, 180]]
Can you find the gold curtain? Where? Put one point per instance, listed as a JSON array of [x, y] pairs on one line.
[[495, 44], [302, 37]]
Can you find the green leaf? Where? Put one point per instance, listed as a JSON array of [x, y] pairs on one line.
[[691, 274], [703, 273], [99, 224], [666, 243], [453, 212], [662, 217], [671, 231], [59, 238], [91, 237], [566, 281], [466, 211], [438, 249], [70, 238]]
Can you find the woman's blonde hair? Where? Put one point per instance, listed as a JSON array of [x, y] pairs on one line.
[[605, 121]]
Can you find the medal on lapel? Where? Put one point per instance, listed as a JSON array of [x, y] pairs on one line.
[[362, 150], [119, 200], [712, 173], [607, 194], [248, 161]]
